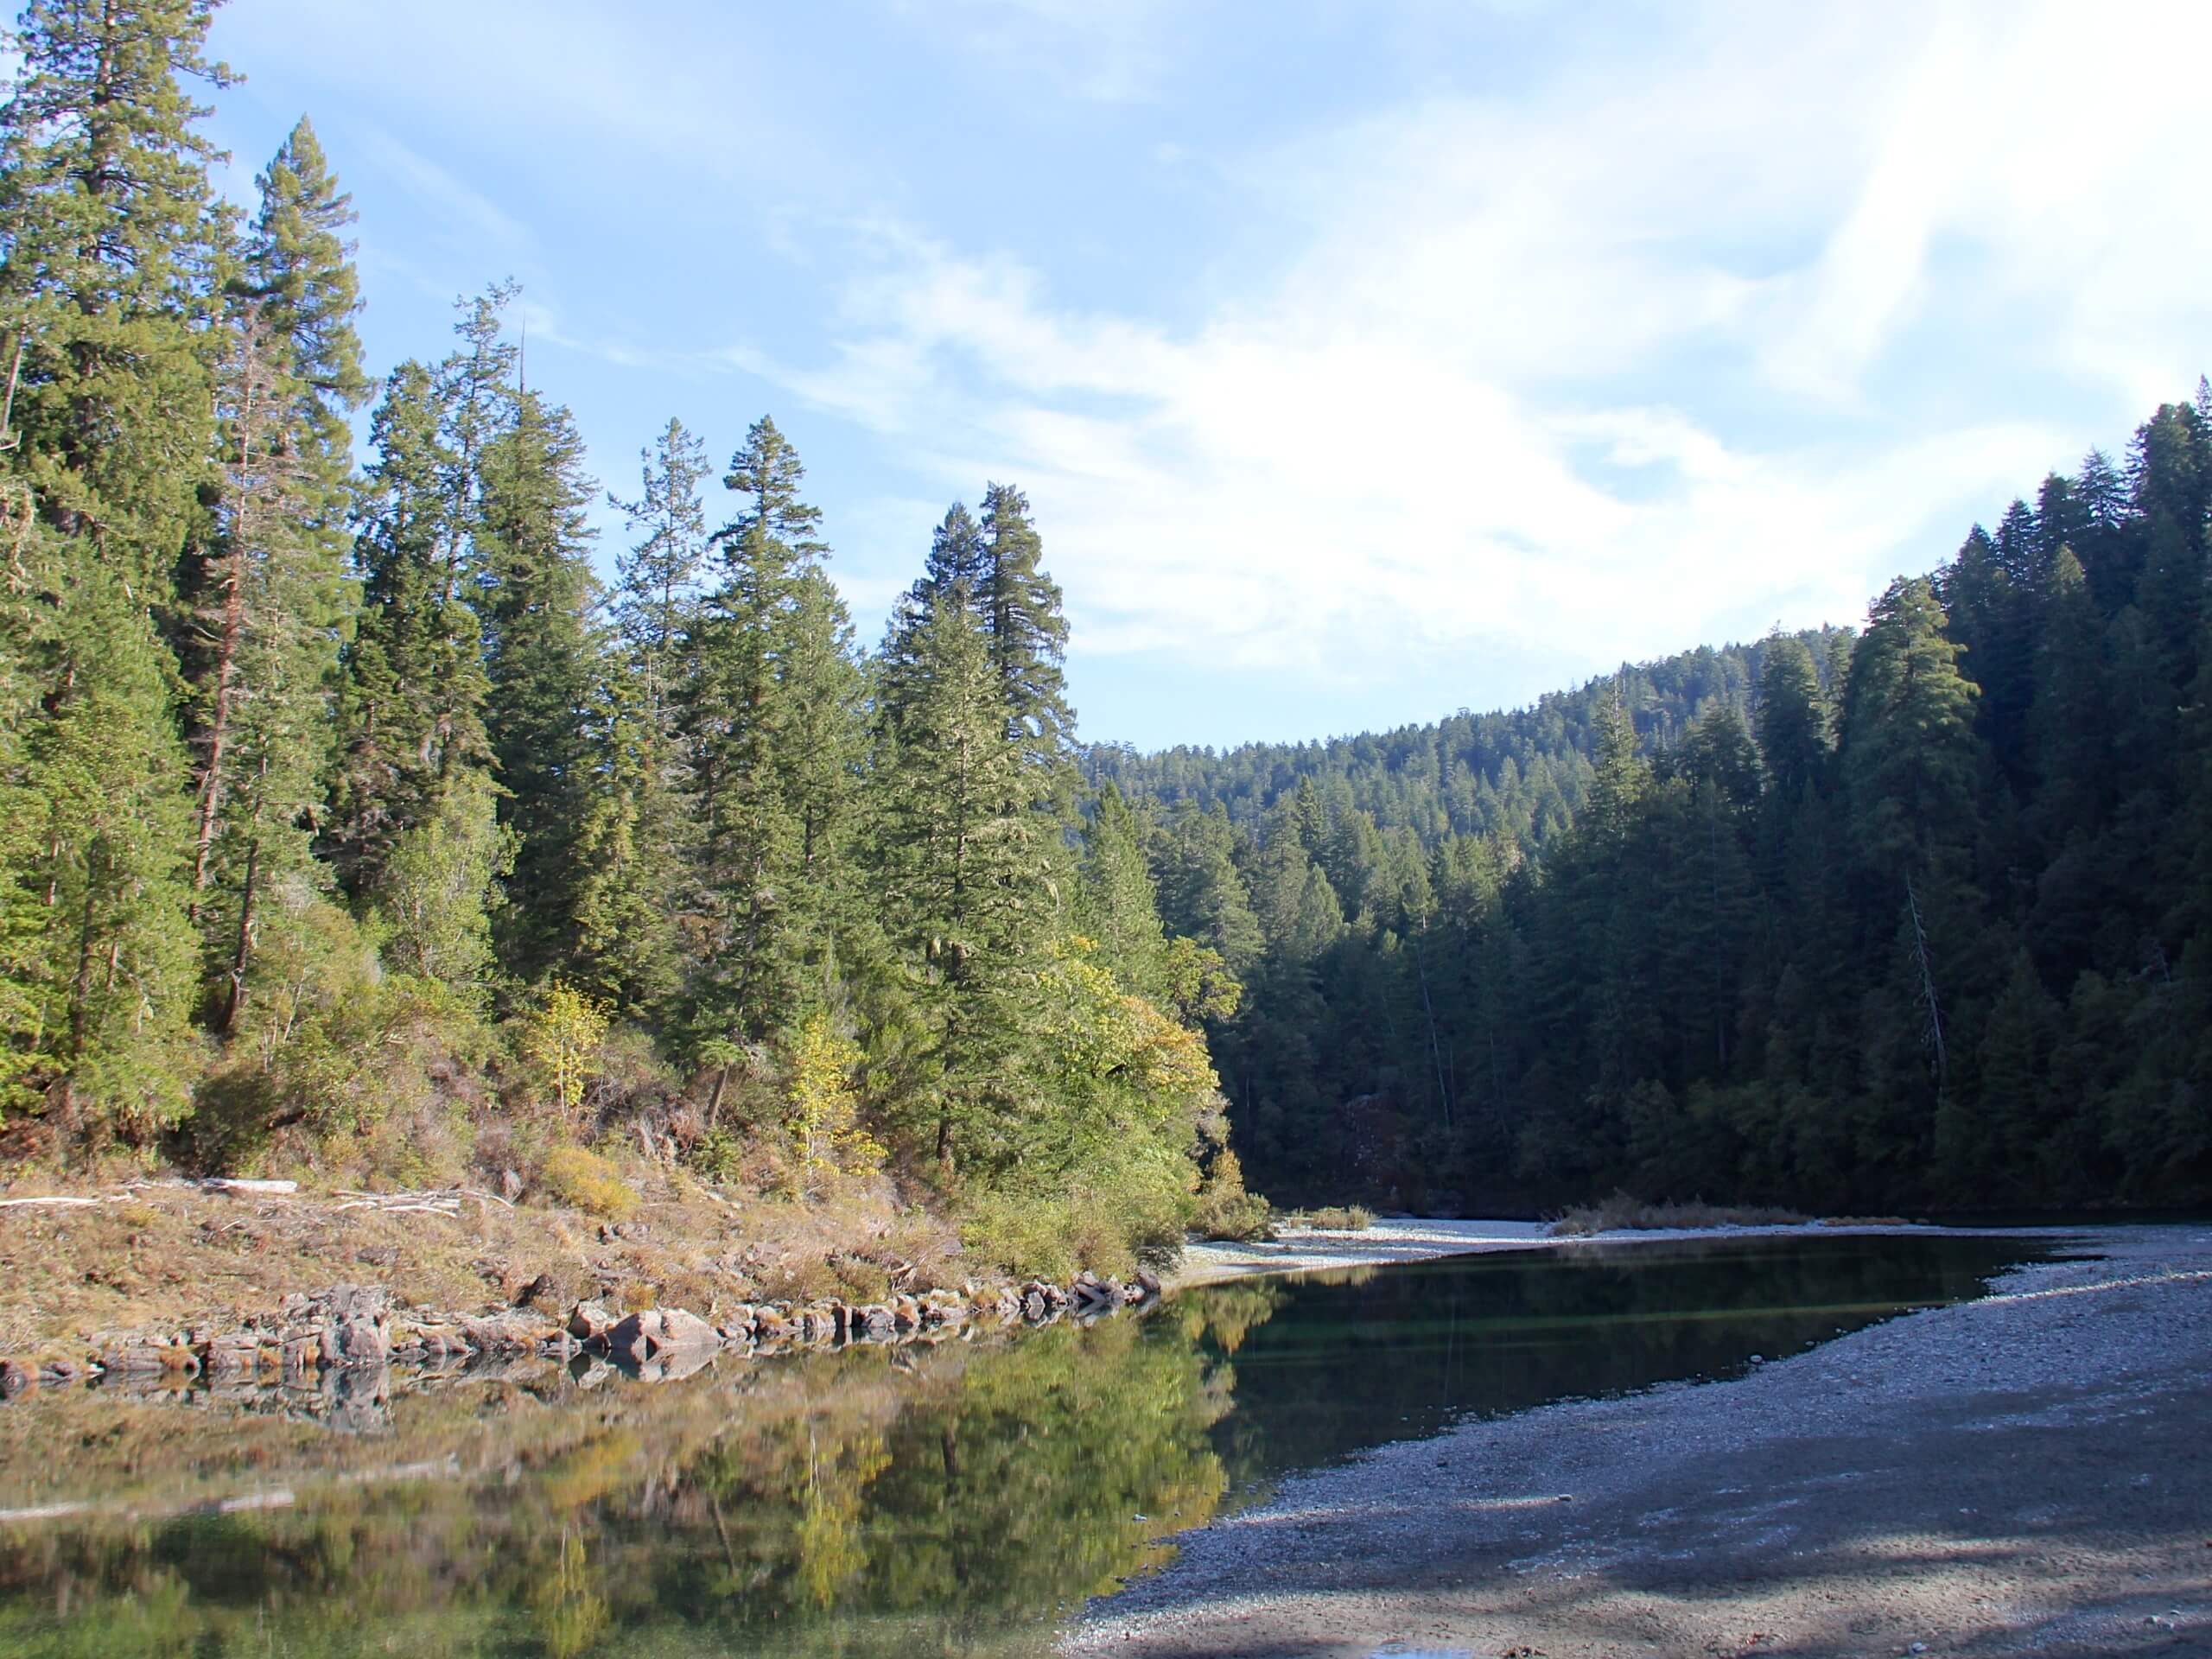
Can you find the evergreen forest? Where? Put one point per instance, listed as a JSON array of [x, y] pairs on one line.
[[1910, 916], [359, 813], [350, 821]]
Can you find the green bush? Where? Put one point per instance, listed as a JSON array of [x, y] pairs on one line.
[[584, 1180], [719, 1155], [1108, 1226], [1225, 1210], [1625, 1212], [1332, 1218]]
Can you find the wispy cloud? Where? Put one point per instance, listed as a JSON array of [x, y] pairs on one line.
[[466, 215], [1617, 341], [1426, 430]]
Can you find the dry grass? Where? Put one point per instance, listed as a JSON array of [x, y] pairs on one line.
[[173, 1256], [1621, 1212]]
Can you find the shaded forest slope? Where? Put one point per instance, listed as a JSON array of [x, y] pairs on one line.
[[1914, 915]]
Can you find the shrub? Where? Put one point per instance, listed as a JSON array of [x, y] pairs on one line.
[[1108, 1225], [1224, 1209], [1344, 1218], [586, 1181], [1019, 1237], [820, 1116], [1622, 1210], [718, 1155], [1331, 1218]]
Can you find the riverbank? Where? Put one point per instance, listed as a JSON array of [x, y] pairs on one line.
[[2022, 1473], [240, 1265], [1421, 1239]]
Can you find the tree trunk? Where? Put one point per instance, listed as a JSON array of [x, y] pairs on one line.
[[234, 999]]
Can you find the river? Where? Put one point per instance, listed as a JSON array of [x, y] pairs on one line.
[[964, 1497]]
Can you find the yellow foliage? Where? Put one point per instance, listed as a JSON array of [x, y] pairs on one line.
[[822, 1118], [1102, 1032], [564, 1036], [586, 1181]]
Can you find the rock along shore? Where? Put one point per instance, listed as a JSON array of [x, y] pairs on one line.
[[358, 1329]]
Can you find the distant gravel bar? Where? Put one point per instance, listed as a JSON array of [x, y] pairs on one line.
[[2027, 1474], [1413, 1238]]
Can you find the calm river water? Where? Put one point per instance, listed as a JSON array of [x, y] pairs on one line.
[[963, 1498]]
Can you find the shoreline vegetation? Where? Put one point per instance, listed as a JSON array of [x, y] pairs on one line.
[[90, 1269]]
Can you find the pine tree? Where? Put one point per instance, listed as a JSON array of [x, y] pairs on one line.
[[626, 952], [964, 875], [541, 657], [101, 965], [1619, 783], [952, 575], [637, 847], [479, 387], [823, 739], [1791, 725], [272, 602], [111, 242], [657, 587], [113, 239], [2072, 721], [438, 891], [1202, 894], [1908, 754], [268, 600], [1028, 636], [1989, 610], [300, 268], [411, 698], [769, 716], [1120, 904], [411, 716]]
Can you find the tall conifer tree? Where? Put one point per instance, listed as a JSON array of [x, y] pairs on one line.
[[1019, 605], [964, 872], [533, 566], [269, 599], [110, 239], [771, 714]]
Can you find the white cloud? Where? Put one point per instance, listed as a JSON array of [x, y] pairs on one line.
[[1713, 318], [1423, 433]]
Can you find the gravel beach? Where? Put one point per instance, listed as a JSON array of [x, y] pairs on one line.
[[2027, 1474]]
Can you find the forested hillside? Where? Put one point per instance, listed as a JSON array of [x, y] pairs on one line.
[[1521, 774], [348, 821], [1915, 915]]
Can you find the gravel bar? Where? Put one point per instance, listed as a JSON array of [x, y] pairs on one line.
[[2027, 1474]]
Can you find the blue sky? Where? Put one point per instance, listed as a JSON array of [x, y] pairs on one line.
[[1362, 361]]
